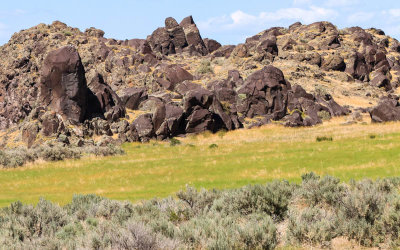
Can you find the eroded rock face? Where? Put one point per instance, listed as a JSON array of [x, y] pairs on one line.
[[104, 100], [63, 85]]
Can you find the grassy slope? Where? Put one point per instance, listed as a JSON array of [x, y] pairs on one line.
[[242, 157]]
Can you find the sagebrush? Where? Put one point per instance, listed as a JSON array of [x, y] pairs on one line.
[[315, 212]]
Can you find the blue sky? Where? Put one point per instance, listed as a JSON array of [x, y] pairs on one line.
[[229, 22]]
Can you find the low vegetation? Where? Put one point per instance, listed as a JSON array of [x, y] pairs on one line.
[[262, 216], [11, 158]]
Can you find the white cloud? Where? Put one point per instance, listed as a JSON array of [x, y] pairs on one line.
[[340, 3], [360, 17], [240, 19], [394, 13]]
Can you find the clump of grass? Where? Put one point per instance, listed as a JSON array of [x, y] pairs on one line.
[[324, 138], [174, 142], [205, 67], [324, 115], [221, 133], [320, 90], [212, 146]]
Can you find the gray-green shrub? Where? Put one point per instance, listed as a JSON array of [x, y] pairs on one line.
[[312, 214]]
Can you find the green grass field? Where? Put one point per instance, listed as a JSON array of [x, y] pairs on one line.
[[242, 157]]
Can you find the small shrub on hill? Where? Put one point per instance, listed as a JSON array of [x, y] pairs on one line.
[[205, 67]]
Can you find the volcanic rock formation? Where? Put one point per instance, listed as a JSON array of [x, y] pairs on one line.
[[59, 82]]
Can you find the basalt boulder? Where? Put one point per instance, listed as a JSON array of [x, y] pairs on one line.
[[167, 76], [264, 92], [388, 109], [193, 37], [63, 84], [161, 42], [132, 97], [211, 45], [144, 127], [333, 62]]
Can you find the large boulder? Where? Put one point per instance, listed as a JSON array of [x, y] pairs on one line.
[[144, 127], [167, 76], [176, 33], [63, 85], [29, 133], [211, 45], [161, 42], [132, 97], [333, 62], [304, 109], [167, 120], [264, 93], [193, 36], [381, 81], [388, 109], [199, 120], [357, 67]]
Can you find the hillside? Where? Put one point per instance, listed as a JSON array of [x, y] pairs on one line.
[[63, 86]]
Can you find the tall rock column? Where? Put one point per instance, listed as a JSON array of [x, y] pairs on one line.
[[63, 85]]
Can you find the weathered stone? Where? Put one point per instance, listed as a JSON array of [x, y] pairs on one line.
[[50, 124], [104, 100], [63, 85], [170, 75], [211, 45], [333, 62], [388, 109], [160, 42], [144, 126], [29, 133], [132, 97], [94, 32], [264, 93], [381, 81], [357, 67], [193, 36], [224, 51]]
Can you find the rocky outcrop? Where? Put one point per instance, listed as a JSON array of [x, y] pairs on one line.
[[63, 84], [176, 38], [161, 82]]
